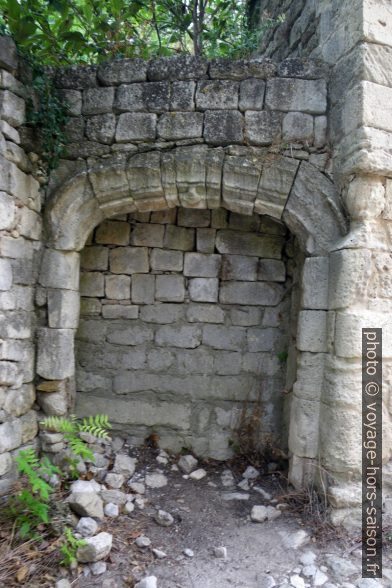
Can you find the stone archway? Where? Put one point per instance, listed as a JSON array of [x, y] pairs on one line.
[[239, 179]]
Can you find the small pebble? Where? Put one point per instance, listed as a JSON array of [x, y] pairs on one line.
[[111, 510], [129, 507], [98, 568], [188, 552], [159, 554], [220, 552], [143, 541], [198, 475]]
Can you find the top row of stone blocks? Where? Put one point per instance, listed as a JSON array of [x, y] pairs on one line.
[[183, 67]]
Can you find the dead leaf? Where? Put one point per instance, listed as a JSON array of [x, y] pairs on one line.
[[21, 574]]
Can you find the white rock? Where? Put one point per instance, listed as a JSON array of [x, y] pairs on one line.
[[341, 567], [164, 518], [63, 583], [220, 552], [86, 527], [117, 444], [162, 460], [307, 558], [129, 507], [309, 571], [294, 540], [96, 548], [227, 479], [124, 464], [81, 486], [86, 504], [114, 480], [159, 554], [320, 578], [98, 568], [174, 468], [235, 496], [198, 475], [111, 510], [260, 513], [250, 473], [187, 463], [156, 480], [147, 582], [143, 541], [263, 493], [244, 485], [115, 496], [137, 487], [368, 583], [297, 581], [140, 502], [188, 552], [265, 581]]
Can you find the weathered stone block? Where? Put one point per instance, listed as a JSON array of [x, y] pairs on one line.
[[219, 218], [164, 217], [9, 374], [312, 331], [145, 179], [228, 363], [190, 173], [205, 240], [73, 100], [286, 94], [243, 222], [267, 246], [101, 128], [5, 463], [55, 353], [164, 260], [148, 235], [90, 306], [63, 309], [97, 100], [161, 313], [298, 127], [179, 238], [239, 267], [10, 435], [122, 71], [271, 270], [201, 265], [223, 127], [304, 431], [180, 125], [118, 287], [262, 128], [136, 127], [120, 311], [315, 283], [245, 317], [182, 96], [191, 217], [170, 288], [8, 53], [186, 336], [7, 211], [130, 98], [220, 95], [112, 232], [240, 180], [132, 335], [12, 108], [179, 67], [19, 402], [240, 69], [5, 274], [129, 260], [252, 94], [350, 274], [143, 289], [261, 339], [205, 313], [92, 284], [221, 337], [320, 131], [94, 258], [250, 293], [60, 269], [204, 289]]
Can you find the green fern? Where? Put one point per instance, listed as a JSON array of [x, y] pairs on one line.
[[60, 424], [96, 425], [69, 547]]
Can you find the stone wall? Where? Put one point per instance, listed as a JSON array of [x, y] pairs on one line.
[[20, 246], [184, 314]]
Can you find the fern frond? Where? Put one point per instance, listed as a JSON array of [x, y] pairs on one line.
[[96, 425], [60, 424]]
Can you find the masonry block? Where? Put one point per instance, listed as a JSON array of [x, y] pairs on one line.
[[170, 288], [129, 260], [188, 336], [204, 289], [143, 289], [312, 331], [164, 260], [118, 287], [201, 265], [63, 309], [55, 353], [148, 235], [92, 284]]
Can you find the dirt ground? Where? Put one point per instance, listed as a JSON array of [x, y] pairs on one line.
[[256, 552]]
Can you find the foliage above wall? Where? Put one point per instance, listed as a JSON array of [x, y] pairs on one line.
[[58, 32]]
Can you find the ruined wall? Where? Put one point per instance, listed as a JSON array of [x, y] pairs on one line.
[[184, 315]]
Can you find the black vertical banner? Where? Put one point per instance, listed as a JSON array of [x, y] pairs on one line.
[[371, 453]]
